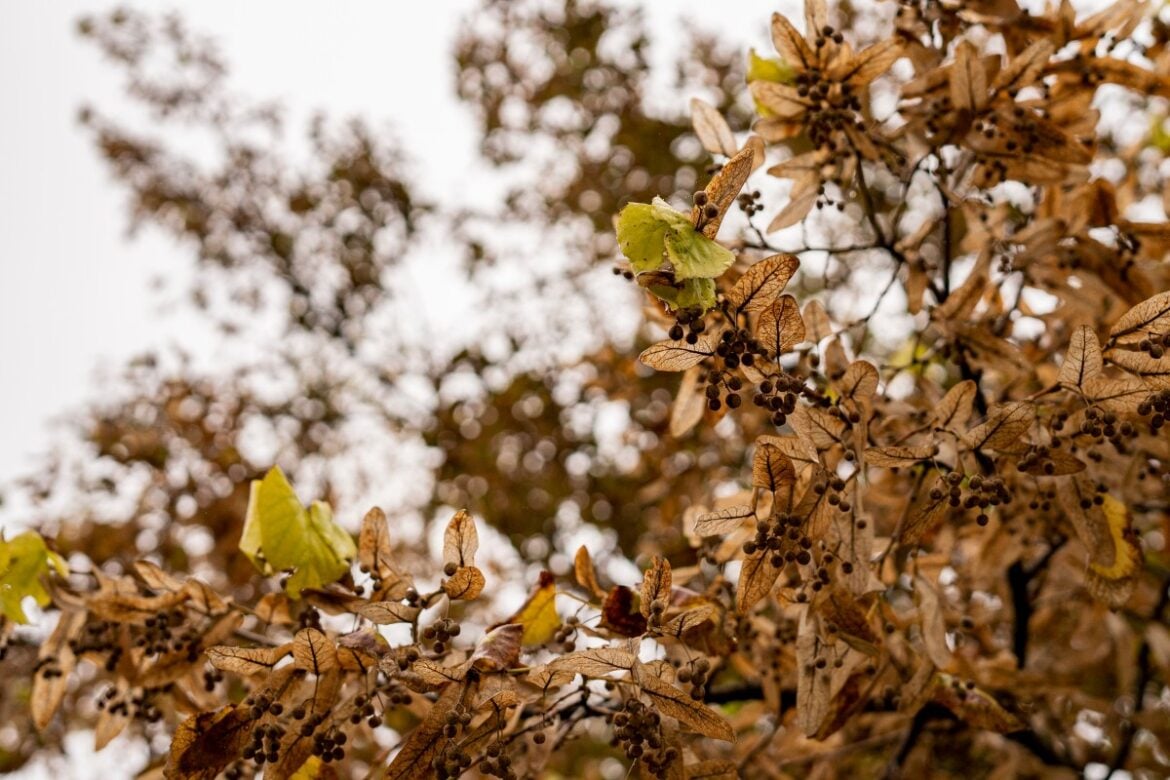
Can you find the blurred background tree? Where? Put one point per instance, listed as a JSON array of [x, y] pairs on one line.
[[535, 417]]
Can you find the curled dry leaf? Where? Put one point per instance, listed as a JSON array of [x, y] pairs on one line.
[[684, 622], [780, 327], [860, 382], [586, 573], [621, 615], [375, 556], [762, 284], [426, 740], [499, 649], [757, 575], [57, 661], [465, 584], [1155, 372], [712, 129], [677, 355]]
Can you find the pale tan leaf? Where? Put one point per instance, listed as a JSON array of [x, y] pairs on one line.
[[385, 613], [871, 62], [817, 320], [790, 44], [1082, 361], [1025, 67], [596, 662], [968, 79], [761, 284], [656, 585], [466, 583], [56, 663], [1155, 371], [934, 627], [113, 719], [817, 426], [924, 516], [1148, 317], [712, 129], [780, 326], [954, 410], [677, 355], [796, 210], [376, 556], [973, 705], [460, 540], [712, 769], [688, 406], [436, 674], [696, 716], [314, 652], [246, 660], [723, 521], [1004, 426], [896, 457], [155, 578], [1121, 396]]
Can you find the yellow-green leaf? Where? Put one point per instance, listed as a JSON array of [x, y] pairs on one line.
[[24, 559], [281, 534]]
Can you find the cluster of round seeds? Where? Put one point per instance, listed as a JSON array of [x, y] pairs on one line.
[[364, 709], [329, 745], [265, 744], [778, 395], [452, 761], [781, 534], [211, 678], [697, 672], [688, 326], [737, 347], [441, 632], [159, 635], [749, 202], [1155, 346], [566, 635], [1157, 408], [983, 492], [498, 763], [637, 730], [722, 388], [707, 210]]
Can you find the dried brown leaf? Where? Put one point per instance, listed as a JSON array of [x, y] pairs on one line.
[[1083, 360], [656, 584], [1151, 316], [696, 716], [780, 326], [724, 187], [1004, 426], [954, 410], [723, 521], [677, 355], [460, 540], [586, 573], [896, 457], [596, 662], [772, 470], [689, 404], [465, 584], [761, 284], [247, 660]]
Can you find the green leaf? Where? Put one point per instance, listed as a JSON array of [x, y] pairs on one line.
[[280, 534], [691, 294], [24, 559], [694, 256], [771, 69], [641, 232], [646, 230]]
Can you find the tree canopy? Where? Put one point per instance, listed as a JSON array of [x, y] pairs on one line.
[[817, 428]]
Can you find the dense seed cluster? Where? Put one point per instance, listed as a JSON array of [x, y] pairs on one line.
[[441, 632], [638, 733]]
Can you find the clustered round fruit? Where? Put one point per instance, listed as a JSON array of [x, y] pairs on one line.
[[982, 492], [638, 732], [441, 632], [696, 673], [1157, 408]]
